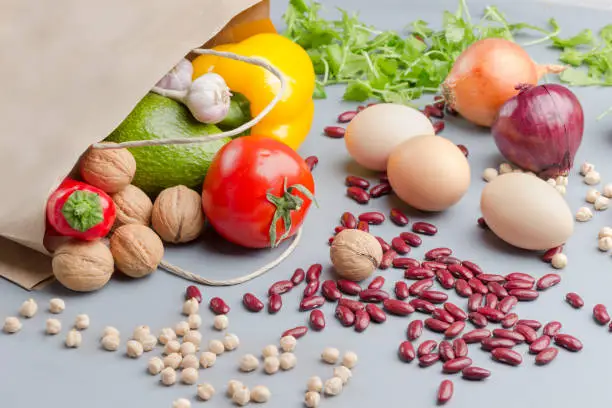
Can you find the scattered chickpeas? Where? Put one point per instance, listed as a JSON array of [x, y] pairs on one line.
[[173, 346], [505, 168], [561, 189], [110, 331], [11, 325], [189, 375], [231, 342], [173, 360], [584, 214], [592, 178], [601, 203], [287, 361], [248, 363], [330, 355], [552, 182], [333, 386], [194, 337], [586, 167], [271, 364], [156, 365], [205, 391], [232, 387], [216, 346], [168, 376], [221, 322], [559, 261], [182, 328], [181, 403], [190, 361], [242, 396], [269, 351], [57, 306], [53, 326], [489, 174], [28, 309], [312, 399], [607, 190], [591, 195], [191, 306], [207, 359], [350, 359], [343, 373], [562, 181], [314, 384], [288, 343], [73, 339], [110, 342], [81, 322], [140, 332], [187, 348], [260, 393], [605, 232], [166, 335], [605, 244], [149, 343], [134, 349], [195, 321]]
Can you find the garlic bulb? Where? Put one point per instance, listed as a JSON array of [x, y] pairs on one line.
[[179, 77], [208, 98]]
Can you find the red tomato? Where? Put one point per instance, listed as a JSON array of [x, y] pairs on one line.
[[245, 180]]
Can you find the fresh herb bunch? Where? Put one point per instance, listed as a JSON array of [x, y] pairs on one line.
[[385, 65]]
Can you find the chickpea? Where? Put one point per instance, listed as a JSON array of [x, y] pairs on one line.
[[140, 332], [181, 403], [194, 321], [168, 376], [489, 174], [73, 339], [232, 387], [312, 399], [205, 391], [271, 364], [315, 384], [592, 178], [288, 343], [248, 363], [187, 348], [216, 346], [166, 335], [149, 342], [333, 386], [189, 376], [110, 331], [156, 365], [592, 195], [81, 322], [287, 361], [173, 346], [193, 337], [53, 326], [191, 306], [231, 342], [190, 361], [11, 325], [182, 328], [56, 306], [173, 360], [110, 342], [134, 349], [330, 355], [260, 394], [343, 373], [221, 322], [28, 309], [208, 359], [270, 351], [349, 360], [242, 396], [559, 261]]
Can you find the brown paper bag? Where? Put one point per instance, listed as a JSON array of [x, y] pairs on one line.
[[71, 71]]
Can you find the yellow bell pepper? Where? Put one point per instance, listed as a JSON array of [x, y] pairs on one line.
[[291, 118]]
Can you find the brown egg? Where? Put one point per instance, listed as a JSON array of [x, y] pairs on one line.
[[526, 212], [429, 173]]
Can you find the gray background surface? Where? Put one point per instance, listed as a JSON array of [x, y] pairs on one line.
[[36, 370]]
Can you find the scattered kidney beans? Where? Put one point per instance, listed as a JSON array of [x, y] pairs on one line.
[[330, 240], [455, 329], [509, 334], [372, 217], [348, 287], [417, 287], [297, 332], [474, 268], [478, 286], [464, 150], [312, 302], [411, 239], [460, 348], [422, 305], [568, 342], [507, 303], [524, 294], [433, 296], [376, 313], [192, 292], [482, 223], [552, 328], [475, 373], [275, 303], [311, 162], [335, 132], [363, 226], [218, 306], [539, 344], [509, 320], [298, 276], [387, 259], [405, 263], [443, 314], [476, 336], [491, 300], [401, 290], [424, 228], [432, 254], [398, 307], [384, 245], [252, 303], [339, 229], [548, 255], [347, 116], [462, 288], [436, 325], [280, 287], [514, 276], [373, 295], [490, 277], [406, 351], [398, 217], [438, 126], [314, 272], [534, 324], [418, 273], [546, 356], [317, 320], [497, 289], [446, 351], [362, 320], [432, 111], [348, 220], [460, 271], [528, 333], [492, 315], [574, 300], [455, 311], [600, 314], [311, 288], [518, 284], [448, 260], [455, 365], [377, 283], [415, 329], [427, 360], [330, 290], [380, 190], [474, 302], [400, 246], [383, 177], [507, 356], [548, 281], [445, 391], [427, 347], [353, 305], [477, 319], [433, 265], [345, 315], [359, 195]]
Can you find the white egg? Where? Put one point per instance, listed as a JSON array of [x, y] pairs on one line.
[[373, 134]]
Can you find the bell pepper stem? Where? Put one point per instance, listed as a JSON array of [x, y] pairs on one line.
[[83, 210]]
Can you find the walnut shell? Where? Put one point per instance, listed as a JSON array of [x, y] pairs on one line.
[[109, 170], [83, 266], [355, 254], [137, 250], [133, 206], [177, 215]]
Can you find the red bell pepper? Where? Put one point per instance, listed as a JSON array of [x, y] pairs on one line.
[[80, 210]]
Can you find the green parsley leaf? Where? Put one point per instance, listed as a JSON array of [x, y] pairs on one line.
[[585, 37], [578, 77], [357, 91]]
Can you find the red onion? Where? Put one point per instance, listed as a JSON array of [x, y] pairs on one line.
[[540, 129]]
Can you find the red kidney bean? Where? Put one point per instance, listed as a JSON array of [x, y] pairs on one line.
[[552, 328], [418, 273], [455, 311], [348, 220], [474, 302], [218, 306], [455, 365], [546, 356], [491, 300], [497, 289], [406, 351], [347, 116], [436, 325], [424, 228], [464, 150], [524, 294], [474, 268], [445, 391], [492, 315], [362, 320], [432, 111], [478, 286], [383, 177], [384, 245], [574, 300], [490, 277], [548, 281], [252, 303], [534, 324], [528, 333], [514, 276], [509, 320], [427, 347], [353, 305], [476, 336], [372, 217], [398, 217], [192, 292], [518, 284], [433, 296], [280, 287], [275, 303], [363, 226], [509, 334], [311, 162], [568, 342], [600, 314], [314, 272], [401, 290], [362, 107], [462, 288], [539, 344], [442, 314], [298, 276], [433, 265], [330, 290], [376, 313], [297, 332], [330, 240], [345, 315], [311, 302], [415, 329], [455, 329], [445, 349], [411, 239], [387, 259], [475, 373], [335, 132], [548, 255], [477, 319], [448, 260], [482, 223], [348, 287], [406, 263], [460, 271], [380, 190], [339, 229], [507, 356], [460, 348], [377, 283], [507, 303], [417, 287], [432, 254], [398, 307], [317, 320], [359, 195], [438, 126], [422, 305], [373, 295], [355, 181], [311, 288], [400, 246], [427, 360]]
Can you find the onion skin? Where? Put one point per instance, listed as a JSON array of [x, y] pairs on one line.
[[540, 129]]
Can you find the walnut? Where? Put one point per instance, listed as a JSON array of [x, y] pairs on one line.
[[355, 254], [137, 250], [109, 170], [177, 215], [83, 266], [133, 206]]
